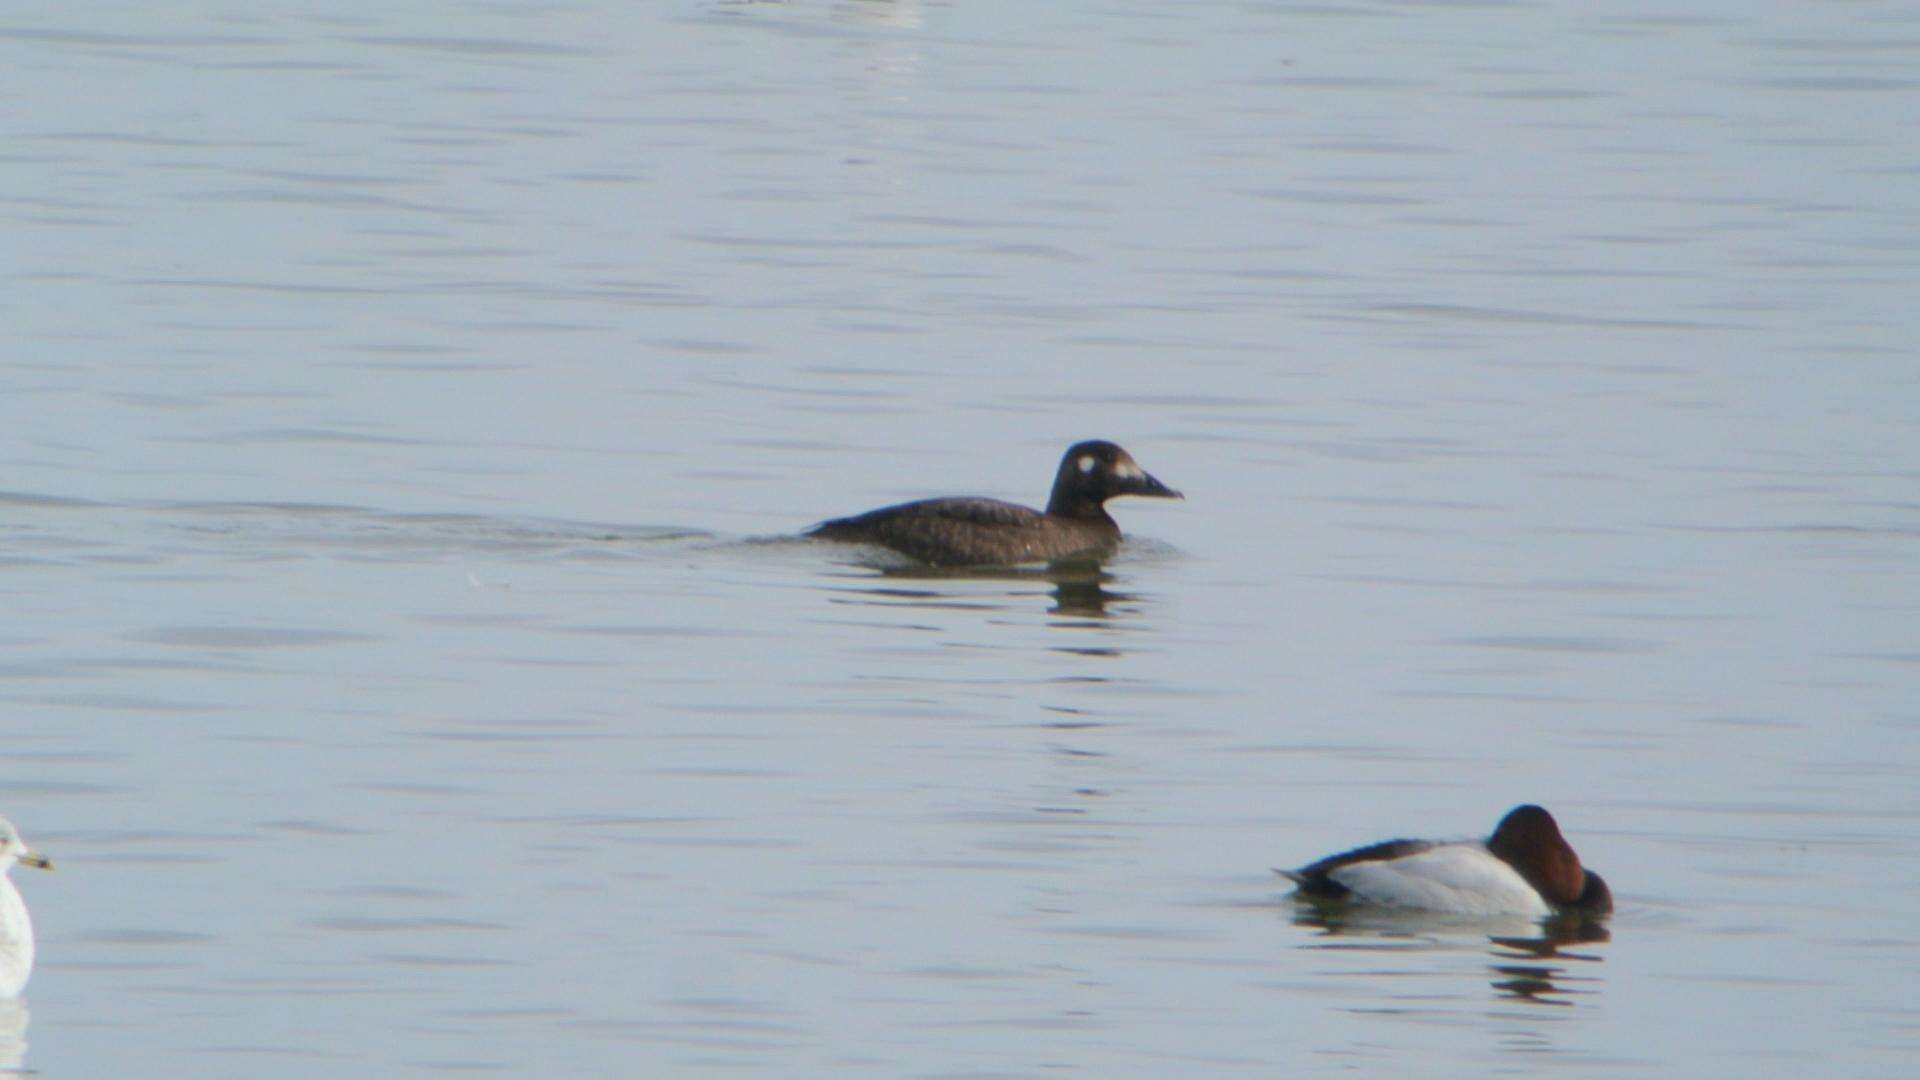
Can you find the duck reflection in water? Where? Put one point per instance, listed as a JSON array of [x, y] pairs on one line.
[[1078, 588], [1531, 960], [1542, 980]]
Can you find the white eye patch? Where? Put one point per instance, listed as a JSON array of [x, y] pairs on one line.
[[1087, 462]]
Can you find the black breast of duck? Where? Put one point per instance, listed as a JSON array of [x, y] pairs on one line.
[[988, 532]]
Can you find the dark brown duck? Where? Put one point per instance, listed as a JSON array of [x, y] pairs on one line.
[[988, 532]]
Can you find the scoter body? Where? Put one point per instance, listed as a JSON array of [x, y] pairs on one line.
[[989, 532]]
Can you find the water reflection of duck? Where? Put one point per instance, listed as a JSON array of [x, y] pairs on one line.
[[989, 532], [1531, 958], [13, 1035], [1526, 868], [1079, 589], [1537, 979], [1085, 597]]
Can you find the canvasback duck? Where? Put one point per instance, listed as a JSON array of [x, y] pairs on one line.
[[988, 532], [16, 928], [1525, 868]]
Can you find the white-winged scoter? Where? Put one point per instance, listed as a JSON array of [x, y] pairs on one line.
[[988, 532]]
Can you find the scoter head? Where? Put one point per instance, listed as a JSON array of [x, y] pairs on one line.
[[1529, 840], [1093, 472]]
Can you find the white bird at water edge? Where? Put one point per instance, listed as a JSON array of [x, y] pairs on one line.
[[16, 928]]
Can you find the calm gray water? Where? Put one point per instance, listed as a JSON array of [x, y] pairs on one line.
[[405, 417]]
